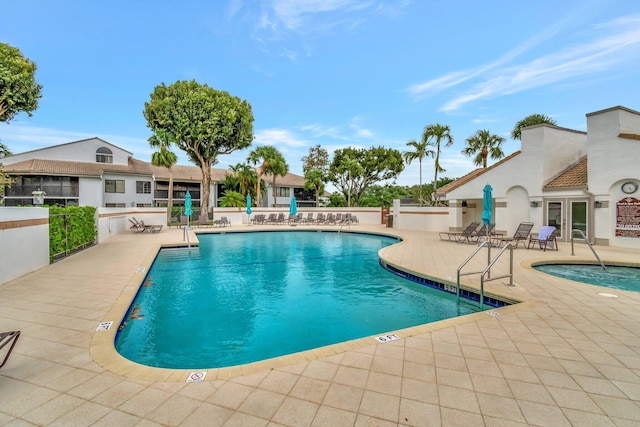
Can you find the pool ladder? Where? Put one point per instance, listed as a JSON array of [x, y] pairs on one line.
[[577, 230], [486, 272]]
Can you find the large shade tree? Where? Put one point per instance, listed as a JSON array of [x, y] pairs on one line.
[[268, 159], [483, 144], [530, 120], [19, 90], [166, 158], [315, 179], [353, 170], [437, 134], [201, 121], [419, 150]]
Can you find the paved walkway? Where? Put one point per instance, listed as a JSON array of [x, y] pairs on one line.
[[565, 356]]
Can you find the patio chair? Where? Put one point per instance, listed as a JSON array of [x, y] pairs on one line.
[[281, 219], [136, 227], [521, 235], [271, 219], [460, 236], [331, 219], [482, 232], [222, 222], [309, 219], [147, 227], [321, 219], [7, 338], [545, 238], [351, 219]]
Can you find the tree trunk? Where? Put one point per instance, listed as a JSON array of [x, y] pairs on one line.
[[274, 190], [420, 188], [484, 153], [206, 187], [170, 197]]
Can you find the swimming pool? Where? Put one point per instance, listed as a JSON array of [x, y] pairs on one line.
[[243, 297], [615, 276]]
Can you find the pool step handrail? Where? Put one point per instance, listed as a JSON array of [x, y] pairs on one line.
[[487, 270], [577, 230]]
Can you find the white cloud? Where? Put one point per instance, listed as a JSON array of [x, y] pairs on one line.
[[613, 43], [279, 137]]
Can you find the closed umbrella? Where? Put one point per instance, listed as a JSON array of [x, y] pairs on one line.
[[187, 206], [249, 206], [487, 207], [293, 207]]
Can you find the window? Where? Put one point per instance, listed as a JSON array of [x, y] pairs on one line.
[[114, 185], [115, 205], [143, 187], [283, 191], [104, 155]]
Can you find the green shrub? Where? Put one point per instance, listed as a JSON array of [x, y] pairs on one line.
[[71, 228]]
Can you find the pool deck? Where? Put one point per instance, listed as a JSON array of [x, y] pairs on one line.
[[566, 355]]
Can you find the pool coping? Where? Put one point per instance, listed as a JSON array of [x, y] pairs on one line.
[[103, 352]]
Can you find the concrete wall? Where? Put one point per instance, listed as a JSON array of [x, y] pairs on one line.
[[112, 221], [24, 241], [421, 218]]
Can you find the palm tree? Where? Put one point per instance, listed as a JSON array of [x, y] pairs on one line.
[[440, 133], [164, 158], [314, 179], [247, 177], [483, 144], [279, 167], [232, 199], [530, 120], [420, 151], [265, 156]]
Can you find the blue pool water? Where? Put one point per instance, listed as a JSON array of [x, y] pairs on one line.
[[616, 277], [243, 297]]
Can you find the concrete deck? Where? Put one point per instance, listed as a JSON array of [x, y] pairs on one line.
[[565, 356]]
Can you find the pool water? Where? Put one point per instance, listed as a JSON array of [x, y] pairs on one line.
[[243, 297], [616, 277]]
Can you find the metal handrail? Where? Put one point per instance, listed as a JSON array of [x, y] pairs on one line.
[[487, 270], [604, 267]]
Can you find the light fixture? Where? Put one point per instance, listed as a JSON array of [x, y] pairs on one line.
[[534, 204], [597, 204]]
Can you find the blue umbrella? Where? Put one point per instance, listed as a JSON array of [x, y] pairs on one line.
[[487, 205], [293, 207], [248, 204], [187, 206]]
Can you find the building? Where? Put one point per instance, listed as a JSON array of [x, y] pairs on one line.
[[573, 180], [94, 172]]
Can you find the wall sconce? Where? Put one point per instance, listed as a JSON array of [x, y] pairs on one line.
[[597, 204], [464, 203], [534, 204]]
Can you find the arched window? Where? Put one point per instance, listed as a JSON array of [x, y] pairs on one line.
[[104, 155]]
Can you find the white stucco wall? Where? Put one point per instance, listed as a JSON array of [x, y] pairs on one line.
[[90, 191], [112, 221], [79, 151], [24, 237]]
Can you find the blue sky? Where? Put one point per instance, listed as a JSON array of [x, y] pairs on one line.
[[337, 73]]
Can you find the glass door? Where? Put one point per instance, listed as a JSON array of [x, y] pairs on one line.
[[579, 217], [555, 216]]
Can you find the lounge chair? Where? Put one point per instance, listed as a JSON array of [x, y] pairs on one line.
[[481, 233], [321, 218], [147, 227], [136, 227], [5, 339], [545, 238], [309, 219], [271, 219], [222, 222], [281, 219], [350, 219], [257, 219], [521, 235], [460, 236], [331, 219]]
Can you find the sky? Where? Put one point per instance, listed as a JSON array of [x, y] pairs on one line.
[[338, 73]]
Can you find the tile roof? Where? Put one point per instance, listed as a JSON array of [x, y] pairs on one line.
[[472, 175], [574, 176], [134, 167], [629, 135]]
